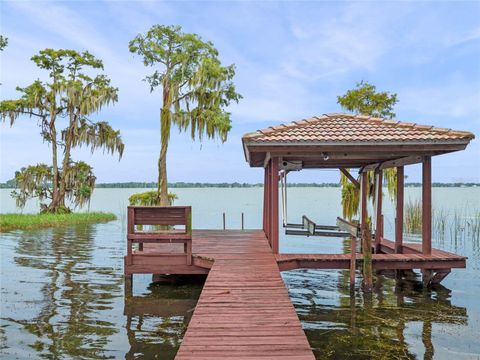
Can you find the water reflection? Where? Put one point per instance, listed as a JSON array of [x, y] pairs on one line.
[[63, 296], [69, 293], [376, 326], [157, 320]]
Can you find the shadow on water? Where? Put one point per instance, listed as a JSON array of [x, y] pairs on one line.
[[63, 296], [157, 320]]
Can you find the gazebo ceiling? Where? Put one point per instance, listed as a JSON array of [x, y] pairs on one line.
[[345, 140]]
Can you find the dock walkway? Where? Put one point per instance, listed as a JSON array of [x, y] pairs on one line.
[[244, 311]]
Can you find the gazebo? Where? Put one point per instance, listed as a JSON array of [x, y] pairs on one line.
[[346, 141]]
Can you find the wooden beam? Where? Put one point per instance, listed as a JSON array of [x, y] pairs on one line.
[[427, 206], [274, 205], [266, 161], [412, 149], [378, 210], [407, 160], [350, 177], [399, 210]]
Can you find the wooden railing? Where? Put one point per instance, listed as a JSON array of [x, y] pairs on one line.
[[163, 220]]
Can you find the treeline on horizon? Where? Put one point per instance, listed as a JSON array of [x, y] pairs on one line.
[[150, 185]]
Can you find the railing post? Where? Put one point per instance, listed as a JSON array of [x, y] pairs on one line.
[[243, 225], [224, 223]]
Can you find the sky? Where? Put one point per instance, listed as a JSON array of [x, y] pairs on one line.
[[292, 61]]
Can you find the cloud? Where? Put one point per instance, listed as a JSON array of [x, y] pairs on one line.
[[454, 98]]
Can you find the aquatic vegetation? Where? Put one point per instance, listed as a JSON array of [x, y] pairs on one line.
[[33, 221], [413, 216]]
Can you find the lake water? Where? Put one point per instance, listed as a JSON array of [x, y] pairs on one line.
[[62, 293]]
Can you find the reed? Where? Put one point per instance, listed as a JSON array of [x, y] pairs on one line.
[[439, 222], [413, 216]]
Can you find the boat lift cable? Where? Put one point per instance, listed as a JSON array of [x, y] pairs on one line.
[[283, 182]]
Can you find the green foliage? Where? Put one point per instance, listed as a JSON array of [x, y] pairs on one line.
[[366, 100], [413, 216], [150, 198], [74, 92], [196, 88], [10, 222], [350, 198], [3, 42], [35, 181]]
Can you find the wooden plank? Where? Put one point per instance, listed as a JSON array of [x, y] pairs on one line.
[[244, 310]]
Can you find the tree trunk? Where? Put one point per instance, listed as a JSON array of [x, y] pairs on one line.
[[165, 123], [66, 160], [57, 201]]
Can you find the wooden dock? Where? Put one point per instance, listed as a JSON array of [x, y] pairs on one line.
[[244, 310]]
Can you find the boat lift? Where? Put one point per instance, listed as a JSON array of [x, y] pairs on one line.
[[307, 227]]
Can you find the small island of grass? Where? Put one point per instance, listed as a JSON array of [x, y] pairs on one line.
[[10, 222]]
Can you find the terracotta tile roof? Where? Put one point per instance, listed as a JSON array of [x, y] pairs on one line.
[[337, 127]]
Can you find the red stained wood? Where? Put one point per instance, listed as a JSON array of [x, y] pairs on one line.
[[427, 206], [137, 262], [244, 310], [274, 240], [399, 211], [378, 210]]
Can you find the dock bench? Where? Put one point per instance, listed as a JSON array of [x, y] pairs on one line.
[[163, 219]]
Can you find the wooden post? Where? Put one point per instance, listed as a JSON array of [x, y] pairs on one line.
[[427, 206], [353, 254], [265, 199], [363, 208], [366, 236], [274, 205], [130, 230], [378, 208], [399, 212], [267, 202]]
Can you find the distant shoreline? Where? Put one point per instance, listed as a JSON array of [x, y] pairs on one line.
[[180, 185]]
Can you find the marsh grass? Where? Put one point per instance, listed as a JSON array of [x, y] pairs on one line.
[[413, 217], [460, 224], [34, 221]]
